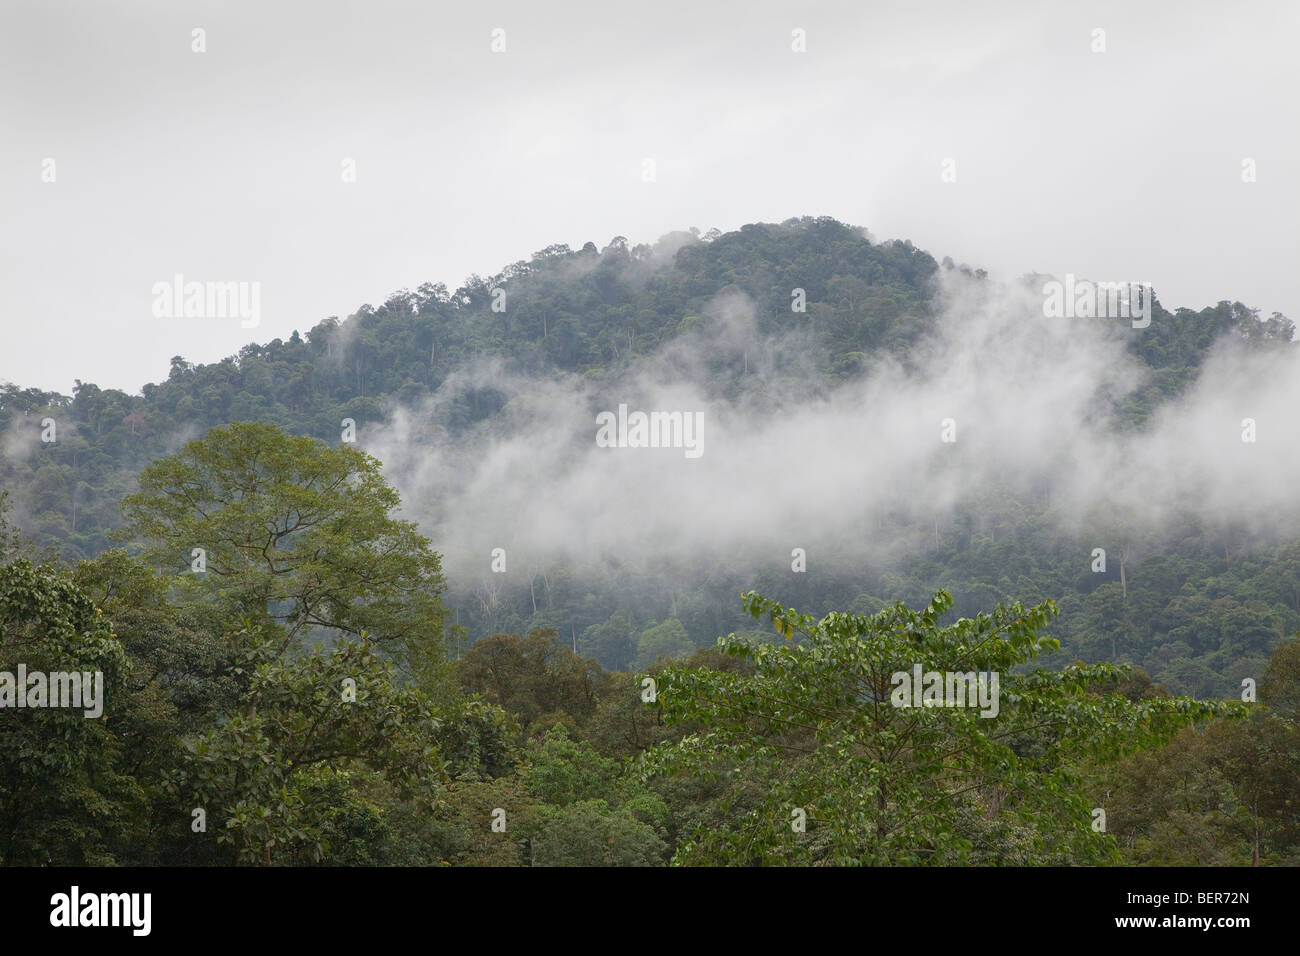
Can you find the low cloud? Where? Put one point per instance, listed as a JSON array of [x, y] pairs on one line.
[[859, 471]]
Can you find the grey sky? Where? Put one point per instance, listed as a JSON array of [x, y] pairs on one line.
[[225, 165]]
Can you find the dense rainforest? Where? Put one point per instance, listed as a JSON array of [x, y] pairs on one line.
[[295, 675]]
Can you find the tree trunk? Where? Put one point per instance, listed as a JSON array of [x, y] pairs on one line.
[[1254, 860]]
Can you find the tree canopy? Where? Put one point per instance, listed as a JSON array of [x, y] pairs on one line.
[[816, 731]]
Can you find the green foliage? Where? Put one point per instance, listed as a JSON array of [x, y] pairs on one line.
[[589, 833], [535, 677], [62, 800], [331, 708], [668, 639], [816, 728], [216, 700], [591, 312], [564, 771], [1224, 795], [293, 529]]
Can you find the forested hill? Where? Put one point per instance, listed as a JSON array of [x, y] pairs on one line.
[[582, 311], [828, 305]]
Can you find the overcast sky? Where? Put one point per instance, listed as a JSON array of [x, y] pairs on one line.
[[226, 165]]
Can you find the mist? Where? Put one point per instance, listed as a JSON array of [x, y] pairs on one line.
[[1028, 402]]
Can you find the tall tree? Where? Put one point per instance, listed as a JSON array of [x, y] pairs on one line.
[[62, 797], [285, 527], [828, 763]]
